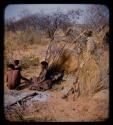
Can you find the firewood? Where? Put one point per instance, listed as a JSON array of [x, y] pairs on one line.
[[29, 95]]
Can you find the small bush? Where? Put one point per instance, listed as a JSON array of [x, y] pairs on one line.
[[25, 62], [8, 61], [28, 61]]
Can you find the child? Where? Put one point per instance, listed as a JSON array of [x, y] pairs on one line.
[[16, 64], [17, 67]]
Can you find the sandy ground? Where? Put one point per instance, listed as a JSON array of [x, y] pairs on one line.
[[93, 108]]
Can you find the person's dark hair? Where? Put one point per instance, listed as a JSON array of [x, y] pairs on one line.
[[44, 63], [16, 62], [11, 66]]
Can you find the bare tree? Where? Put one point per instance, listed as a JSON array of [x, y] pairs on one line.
[[97, 16], [10, 24], [48, 23]]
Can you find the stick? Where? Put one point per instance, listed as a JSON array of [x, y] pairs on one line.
[[19, 106]]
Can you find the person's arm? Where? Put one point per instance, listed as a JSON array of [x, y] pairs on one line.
[[42, 76], [40, 73]]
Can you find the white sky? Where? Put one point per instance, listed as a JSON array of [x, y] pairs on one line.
[[14, 10]]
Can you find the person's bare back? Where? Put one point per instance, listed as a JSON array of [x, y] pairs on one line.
[[9, 76], [16, 77], [9, 79], [13, 77]]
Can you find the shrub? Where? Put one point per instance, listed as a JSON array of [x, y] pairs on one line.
[[28, 61]]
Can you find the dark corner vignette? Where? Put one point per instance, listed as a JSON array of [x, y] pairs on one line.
[[43, 63]]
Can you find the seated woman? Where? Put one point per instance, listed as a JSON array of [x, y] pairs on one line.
[[44, 81]]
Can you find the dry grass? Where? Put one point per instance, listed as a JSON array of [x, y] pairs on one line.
[[89, 109], [93, 68]]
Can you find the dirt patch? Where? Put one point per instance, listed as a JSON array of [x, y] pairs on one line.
[[57, 109]]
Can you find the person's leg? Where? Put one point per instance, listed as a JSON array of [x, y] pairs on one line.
[[45, 85], [23, 78], [35, 83], [35, 87]]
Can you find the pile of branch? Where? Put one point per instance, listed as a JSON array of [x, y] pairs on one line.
[[24, 98]]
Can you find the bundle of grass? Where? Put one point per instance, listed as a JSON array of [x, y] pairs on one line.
[[89, 77]]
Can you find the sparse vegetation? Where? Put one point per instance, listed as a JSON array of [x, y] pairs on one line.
[[35, 37], [29, 61]]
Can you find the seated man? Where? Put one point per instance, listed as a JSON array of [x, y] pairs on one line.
[[9, 74], [43, 81], [13, 77]]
